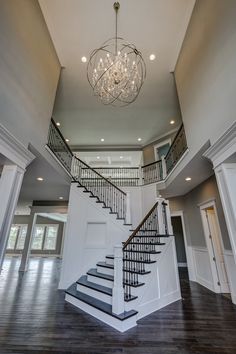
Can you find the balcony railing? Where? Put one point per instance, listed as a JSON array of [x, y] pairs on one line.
[[120, 177], [176, 150], [152, 172], [59, 146]]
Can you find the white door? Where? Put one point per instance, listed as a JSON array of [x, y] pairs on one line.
[[216, 244]]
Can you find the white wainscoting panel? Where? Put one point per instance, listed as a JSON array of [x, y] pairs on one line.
[[231, 272], [202, 267]]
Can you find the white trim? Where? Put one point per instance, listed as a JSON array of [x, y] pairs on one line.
[[182, 264], [207, 202], [162, 143], [188, 249], [223, 148], [224, 287], [13, 149], [161, 136]]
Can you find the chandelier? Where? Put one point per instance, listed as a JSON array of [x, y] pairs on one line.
[[116, 71]]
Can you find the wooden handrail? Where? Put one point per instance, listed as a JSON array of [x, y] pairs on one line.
[[97, 173], [175, 138], [62, 137], [140, 225], [152, 163]]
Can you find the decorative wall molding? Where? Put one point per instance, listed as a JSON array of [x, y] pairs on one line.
[[13, 149], [223, 148]]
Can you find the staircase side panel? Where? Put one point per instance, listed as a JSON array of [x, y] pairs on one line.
[[91, 233], [162, 285]]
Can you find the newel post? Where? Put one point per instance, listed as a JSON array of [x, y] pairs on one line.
[[163, 162], [168, 218], [118, 304], [128, 209]]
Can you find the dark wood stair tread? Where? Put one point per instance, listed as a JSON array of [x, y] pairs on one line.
[[88, 284], [132, 260], [147, 243], [111, 266], [148, 252], [98, 304], [95, 273]]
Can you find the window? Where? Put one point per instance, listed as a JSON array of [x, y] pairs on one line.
[[45, 238], [17, 236], [161, 149]]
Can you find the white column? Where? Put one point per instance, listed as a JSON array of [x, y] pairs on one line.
[[128, 209], [10, 185], [163, 162], [140, 176], [161, 224], [28, 241], [118, 305], [226, 181]]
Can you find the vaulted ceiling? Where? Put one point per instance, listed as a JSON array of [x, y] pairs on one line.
[[79, 26]]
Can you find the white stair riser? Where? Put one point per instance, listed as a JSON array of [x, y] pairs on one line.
[[94, 293], [100, 281], [110, 261], [131, 305], [121, 326], [104, 270]]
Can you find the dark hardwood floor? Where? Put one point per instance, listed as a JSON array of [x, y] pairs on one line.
[[35, 319]]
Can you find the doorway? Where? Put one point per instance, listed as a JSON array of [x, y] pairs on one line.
[[215, 247]]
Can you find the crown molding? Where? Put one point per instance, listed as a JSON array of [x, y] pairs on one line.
[[223, 148], [12, 149], [154, 140], [88, 148]]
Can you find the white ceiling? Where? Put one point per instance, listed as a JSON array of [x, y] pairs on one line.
[[112, 158], [52, 187], [79, 26]]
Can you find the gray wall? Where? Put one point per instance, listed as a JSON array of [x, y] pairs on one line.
[[29, 72], [24, 219], [205, 72], [148, 150], [193, 223]]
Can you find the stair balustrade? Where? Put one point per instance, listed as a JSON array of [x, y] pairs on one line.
[[176, 150], [141, 244]]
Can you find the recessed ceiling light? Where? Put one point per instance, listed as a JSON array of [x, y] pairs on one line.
[[60, 198], [98, 157], [102, 139], [121, 157], [58, 124], [83, 59], [188, 179], [67, 140], [40, 179], [172, 122], [139, 139], [152, 57]]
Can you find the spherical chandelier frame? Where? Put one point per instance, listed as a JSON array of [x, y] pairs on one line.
[[116, 71]]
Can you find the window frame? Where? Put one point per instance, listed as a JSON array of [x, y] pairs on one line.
[[19, 232], [156, 146], [45, 233]]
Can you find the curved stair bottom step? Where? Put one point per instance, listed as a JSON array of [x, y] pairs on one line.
[[101, 310]]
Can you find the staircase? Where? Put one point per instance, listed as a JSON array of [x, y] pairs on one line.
[[141, 275], [112, 290]]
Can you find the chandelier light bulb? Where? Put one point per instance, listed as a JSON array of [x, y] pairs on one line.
[[116, 71]]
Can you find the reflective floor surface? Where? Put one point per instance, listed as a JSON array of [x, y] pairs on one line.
[[35, 319]]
